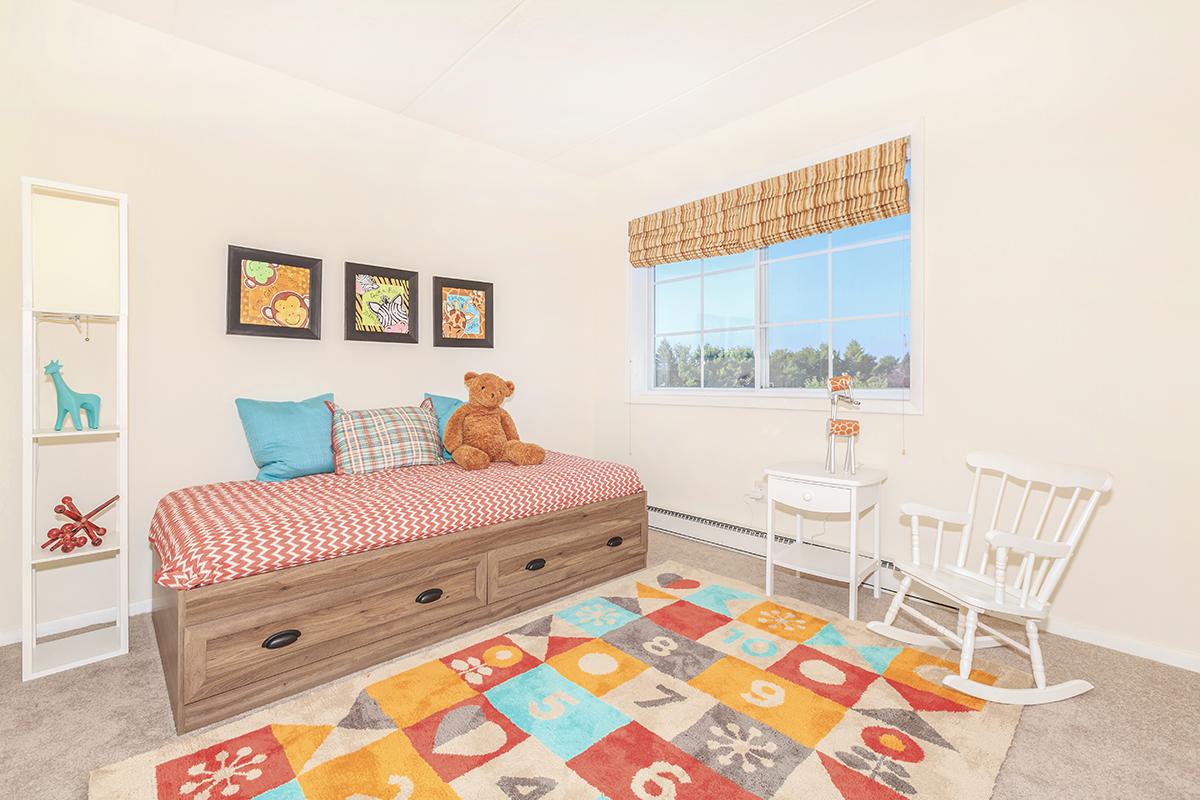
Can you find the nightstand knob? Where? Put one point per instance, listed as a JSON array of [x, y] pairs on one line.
[[808, 497]]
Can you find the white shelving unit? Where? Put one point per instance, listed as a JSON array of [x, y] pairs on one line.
[[42, 260]]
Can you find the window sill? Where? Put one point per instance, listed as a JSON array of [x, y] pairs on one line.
[[733, 399]]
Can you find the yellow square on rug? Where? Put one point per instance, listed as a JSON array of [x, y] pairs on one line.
[[667, 683]]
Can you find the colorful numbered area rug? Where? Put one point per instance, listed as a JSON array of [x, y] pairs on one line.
[[669, 683]]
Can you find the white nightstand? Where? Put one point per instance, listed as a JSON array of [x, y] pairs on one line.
[[806, 486]]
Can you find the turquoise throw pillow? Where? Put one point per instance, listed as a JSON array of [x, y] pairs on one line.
[[287, 439], [443, 407]]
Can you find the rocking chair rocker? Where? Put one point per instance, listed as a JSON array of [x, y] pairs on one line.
[[1024, 594]]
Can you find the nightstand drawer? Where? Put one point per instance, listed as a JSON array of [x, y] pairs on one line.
[[810, 496]]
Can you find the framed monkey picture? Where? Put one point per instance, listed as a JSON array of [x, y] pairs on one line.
[[273, 294]]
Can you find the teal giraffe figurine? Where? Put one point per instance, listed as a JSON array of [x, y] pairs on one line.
[[71, 401]]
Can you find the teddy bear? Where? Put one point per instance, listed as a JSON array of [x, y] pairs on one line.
[[481, 432]]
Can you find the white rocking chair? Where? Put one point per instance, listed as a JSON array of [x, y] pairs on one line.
[[1023, 594]]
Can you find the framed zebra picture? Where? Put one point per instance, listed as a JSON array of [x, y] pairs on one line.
[[381, 304]]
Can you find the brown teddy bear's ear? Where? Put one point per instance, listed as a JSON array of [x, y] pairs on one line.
[[512, 387], [470, 376]]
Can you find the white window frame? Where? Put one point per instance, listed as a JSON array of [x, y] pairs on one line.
[[896, 401]]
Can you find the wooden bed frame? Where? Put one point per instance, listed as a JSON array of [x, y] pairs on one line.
[[233, 646]]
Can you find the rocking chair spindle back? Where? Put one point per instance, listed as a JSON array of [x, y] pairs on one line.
[[1023, 590]]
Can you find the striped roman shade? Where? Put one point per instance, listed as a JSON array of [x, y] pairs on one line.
[[839, 193]]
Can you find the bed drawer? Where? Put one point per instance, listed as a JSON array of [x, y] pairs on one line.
[[225, 653], [564, 557]]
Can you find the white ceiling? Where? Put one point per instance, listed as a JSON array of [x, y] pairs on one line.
[[587, 85]]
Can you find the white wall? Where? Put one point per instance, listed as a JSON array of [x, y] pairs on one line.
[[214, 151], [1059, 268], [1061, 279]]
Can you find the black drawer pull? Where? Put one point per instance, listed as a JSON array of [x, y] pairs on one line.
[[536, 564], [429, 596], [281, 639], [615, 541]]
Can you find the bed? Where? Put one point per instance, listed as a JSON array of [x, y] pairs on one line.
[[264, 589]]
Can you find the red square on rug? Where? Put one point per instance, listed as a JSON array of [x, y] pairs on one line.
[[829, 677], [631, 763], [463, 737], [685, 618], [488, 663], [245, 766]]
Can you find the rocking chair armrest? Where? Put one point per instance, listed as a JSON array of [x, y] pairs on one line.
[[1023, 544], [918, 510]]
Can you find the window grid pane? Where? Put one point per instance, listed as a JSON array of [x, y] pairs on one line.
[[705, 319], [762, 323], [677, 361], [677, 306], [729, 359]]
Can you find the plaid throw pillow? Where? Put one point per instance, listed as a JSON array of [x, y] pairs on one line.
[[385, 438]]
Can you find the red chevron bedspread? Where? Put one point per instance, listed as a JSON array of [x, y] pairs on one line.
[[223, 531]]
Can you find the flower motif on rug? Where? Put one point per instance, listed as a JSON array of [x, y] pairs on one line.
[[471, 669], [242, 767], [734, 745], [779, 619], [596, 615], [657, 685], [226, 773], [888, 746]]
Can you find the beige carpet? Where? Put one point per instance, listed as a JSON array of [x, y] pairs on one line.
[[1132, 737]]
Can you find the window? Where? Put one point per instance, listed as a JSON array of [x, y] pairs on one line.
[[777, 321], [704, 323]]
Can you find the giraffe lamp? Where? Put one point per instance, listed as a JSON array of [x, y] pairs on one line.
[[841, 391], [71, 401]]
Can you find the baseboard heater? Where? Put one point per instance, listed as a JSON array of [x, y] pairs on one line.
[[724, 534], [751, 541]]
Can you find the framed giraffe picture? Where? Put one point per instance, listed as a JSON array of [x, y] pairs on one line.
[[381, 304], [463, 313]]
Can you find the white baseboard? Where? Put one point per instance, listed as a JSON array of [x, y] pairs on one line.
[[56, 626], [1125, 644], [752, 542]]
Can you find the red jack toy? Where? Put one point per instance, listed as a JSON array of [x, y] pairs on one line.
[[80, 530]]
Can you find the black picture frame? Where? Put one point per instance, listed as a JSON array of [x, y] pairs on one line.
[[233, 297], [489, 313], [352, 333]]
